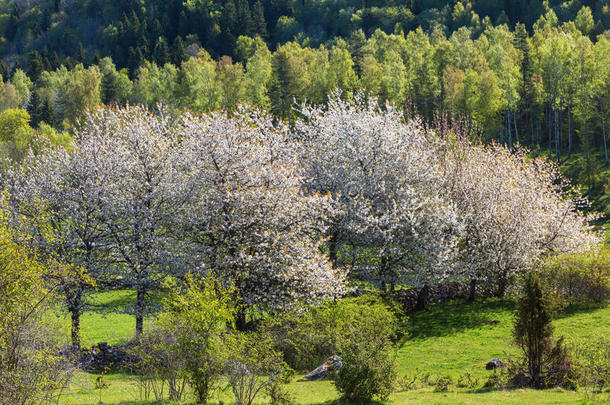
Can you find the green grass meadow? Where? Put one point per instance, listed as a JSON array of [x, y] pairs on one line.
[[448, 340]]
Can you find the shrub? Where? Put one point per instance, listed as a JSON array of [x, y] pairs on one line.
[[466, 380], [579, 278], [253, 366], [198, 315], [308, 337], [594, 363], [493, 381], [32, 370], [407, 383], [278, 394], [369, 363], [442, 384], [160, 365]]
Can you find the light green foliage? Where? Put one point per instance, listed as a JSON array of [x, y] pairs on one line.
[[505, 61], [579, 278], [584, 20], [115, 85], [23, 86], [9, 98], [290, 80], [197, 315], [155, 84], [425, 85], [258, 73], [54, 138], [253, 366], [342, 73], [594, 363], [308, 337], [197, 84], [369, 362], [370, 76], [72, 91], [244, 48], [286, 29], [15, 134], [12, 123], [31, 368], [232, 82], [83, 91]]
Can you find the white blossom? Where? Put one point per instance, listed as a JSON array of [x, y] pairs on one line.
[[250, 222], [383, 173]]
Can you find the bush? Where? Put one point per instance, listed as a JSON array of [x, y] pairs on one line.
[[308, 337], [466, 380], [594, 363], [32, 369], [369, 363], [198, 315], [442, 384], [160, 365], [253, 366], [579, 278]]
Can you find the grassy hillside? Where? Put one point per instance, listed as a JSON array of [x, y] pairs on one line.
[[447, 340]]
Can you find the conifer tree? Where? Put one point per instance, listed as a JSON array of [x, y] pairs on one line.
[[258, 20], [46, 113], [178, 51], [161, 52], [533, 327], [33, 109]]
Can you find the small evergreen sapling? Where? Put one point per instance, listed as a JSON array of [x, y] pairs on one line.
[[545, 363]]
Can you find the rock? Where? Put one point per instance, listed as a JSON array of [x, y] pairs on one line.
[[521, 380], [494, 363], [331, 363], [103, 355]]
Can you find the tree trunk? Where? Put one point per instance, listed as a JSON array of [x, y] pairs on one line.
[[74, 301], [556, 117], [140, 298], [569, 128], [550, 125], [422, 298], [332, 248], [516, 130], [510, 138], [240, 319], [601, 115], [472, 290], [502, 284]]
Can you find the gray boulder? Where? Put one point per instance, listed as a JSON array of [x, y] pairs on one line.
[[494, 363], [330, 364]]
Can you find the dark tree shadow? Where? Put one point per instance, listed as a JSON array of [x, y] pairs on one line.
[[577, 309], [344, 401], [455, 316]]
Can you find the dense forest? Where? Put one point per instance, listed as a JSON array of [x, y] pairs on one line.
[[535, 73]]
